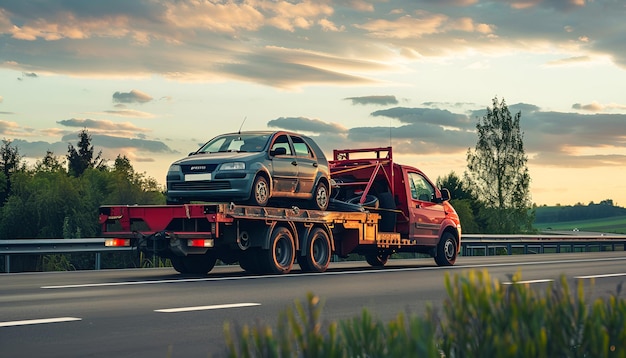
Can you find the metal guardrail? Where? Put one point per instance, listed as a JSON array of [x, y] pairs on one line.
[[471, 245], [488, 245], [54, 246]]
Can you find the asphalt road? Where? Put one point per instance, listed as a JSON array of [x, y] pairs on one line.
[[158, 313]]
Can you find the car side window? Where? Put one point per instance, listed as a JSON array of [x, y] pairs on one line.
[[282, 142], [301, 148], [421, 188]]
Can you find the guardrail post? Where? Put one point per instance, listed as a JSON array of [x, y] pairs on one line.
[[98, 257], [7, 263]]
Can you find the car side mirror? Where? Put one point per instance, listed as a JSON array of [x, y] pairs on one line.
[[278, 151]]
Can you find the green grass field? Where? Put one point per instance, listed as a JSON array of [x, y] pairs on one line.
[[614, 224]]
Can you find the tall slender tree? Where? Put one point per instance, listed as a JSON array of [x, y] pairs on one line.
[[10, 163], [497, 171]]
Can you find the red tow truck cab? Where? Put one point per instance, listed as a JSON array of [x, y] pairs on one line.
[[378, 208]]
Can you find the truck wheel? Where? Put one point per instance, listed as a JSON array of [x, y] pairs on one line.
[[260, 194], [321, 196], [377, 259], [317, 257], [280, 256], [446, 250]]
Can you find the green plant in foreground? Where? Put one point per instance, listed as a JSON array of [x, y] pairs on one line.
[[480, 318]]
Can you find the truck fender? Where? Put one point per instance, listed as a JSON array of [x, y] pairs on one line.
[[304, 237], [270, 228], [448, 225]]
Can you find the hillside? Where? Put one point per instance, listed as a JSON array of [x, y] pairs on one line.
[[603, 217]]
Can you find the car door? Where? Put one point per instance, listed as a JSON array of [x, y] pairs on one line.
[[284, 166], [307, 165], [426, 214]]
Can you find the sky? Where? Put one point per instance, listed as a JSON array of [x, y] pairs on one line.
[[154, 79]]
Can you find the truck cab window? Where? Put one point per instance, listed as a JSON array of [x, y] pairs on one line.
[[421, 189]]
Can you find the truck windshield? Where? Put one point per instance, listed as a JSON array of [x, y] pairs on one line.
[[235, 143]]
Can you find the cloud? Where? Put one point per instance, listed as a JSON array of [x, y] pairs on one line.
[[249, 41], [598, 107], [114, 142], [1, 99], [432, 116], [378, 100], [134, 96], [303, 124], [129, 113], [101, 125]]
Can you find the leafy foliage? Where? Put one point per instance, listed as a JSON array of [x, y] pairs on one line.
[[480, 318], [497, 172]]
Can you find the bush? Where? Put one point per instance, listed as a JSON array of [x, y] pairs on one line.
[[480, 318]]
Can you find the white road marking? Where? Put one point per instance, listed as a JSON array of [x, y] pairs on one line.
[[204, 308], [302, 274], [39, 321], [527, 282], [601, 276]]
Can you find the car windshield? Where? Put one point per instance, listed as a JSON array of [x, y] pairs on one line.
[[236, 143]]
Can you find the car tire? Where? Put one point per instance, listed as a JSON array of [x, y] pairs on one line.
[[321, 196], [260, 194]]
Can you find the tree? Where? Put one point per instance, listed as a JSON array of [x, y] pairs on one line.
[[10, 163], [497, 171], [79, 160], [464, 202]]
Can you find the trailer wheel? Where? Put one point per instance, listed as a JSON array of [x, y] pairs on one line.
[[177, 264], [249, 260], [260, 194], [281, 254], [377, 259], [317, 256], [446, 250], [194, 264]]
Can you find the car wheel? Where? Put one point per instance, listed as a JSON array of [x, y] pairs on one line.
[[260, 191], [321, 196]]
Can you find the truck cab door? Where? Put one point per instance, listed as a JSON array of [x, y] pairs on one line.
[[284, 166], [426, 215]]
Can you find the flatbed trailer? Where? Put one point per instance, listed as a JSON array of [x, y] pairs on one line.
[[377, 211]]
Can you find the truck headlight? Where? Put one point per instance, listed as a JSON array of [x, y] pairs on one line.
[[233, 166]]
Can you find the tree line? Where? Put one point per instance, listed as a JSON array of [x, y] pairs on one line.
[[59, 197]]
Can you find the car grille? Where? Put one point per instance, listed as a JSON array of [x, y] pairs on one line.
[[201, 185], [197, 168]]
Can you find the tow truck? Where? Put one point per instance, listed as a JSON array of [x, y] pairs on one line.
[[378, 208]]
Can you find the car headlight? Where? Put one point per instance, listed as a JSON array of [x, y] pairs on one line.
[[233, 166], [174, 168]]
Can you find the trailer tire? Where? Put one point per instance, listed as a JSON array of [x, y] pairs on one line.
[[194, 264], [446, 250], [377, 259], [249, 260], [317, 255], [280, 256]]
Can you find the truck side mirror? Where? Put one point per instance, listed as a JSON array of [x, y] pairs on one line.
[[445, 194]]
